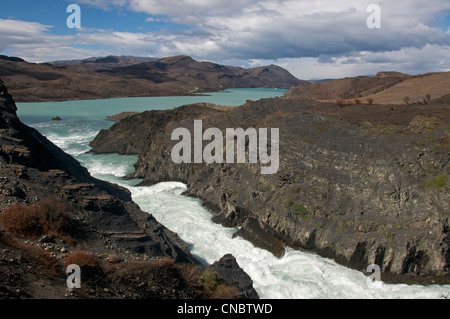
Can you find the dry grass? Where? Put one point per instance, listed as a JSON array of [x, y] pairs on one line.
[[23, 221], [34, 254], [35, 220]]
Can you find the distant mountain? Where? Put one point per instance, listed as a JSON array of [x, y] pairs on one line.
[[113, 76], [207, 76], [11, 58], [108, 62]]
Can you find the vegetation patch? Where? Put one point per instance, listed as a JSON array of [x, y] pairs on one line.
[[437, 183], [216, 287], [299, 210], [381, 129], [35, 220], [321, 130]]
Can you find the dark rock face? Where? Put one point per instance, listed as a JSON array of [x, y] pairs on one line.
[[33, 168], [351, 186], [234, 276]]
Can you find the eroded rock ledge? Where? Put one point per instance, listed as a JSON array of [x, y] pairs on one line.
[[362, 184]]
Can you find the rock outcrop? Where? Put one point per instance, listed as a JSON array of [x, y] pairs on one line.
[[357, 185], [234, 276], [104, 222]]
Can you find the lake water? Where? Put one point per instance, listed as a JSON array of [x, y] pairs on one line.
[[297, 275]]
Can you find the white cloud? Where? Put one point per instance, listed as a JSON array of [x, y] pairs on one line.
[[309, 37], [430, 58], [20, 32]]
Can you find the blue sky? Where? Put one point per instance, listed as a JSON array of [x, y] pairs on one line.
[[312, 39], [53, 12]]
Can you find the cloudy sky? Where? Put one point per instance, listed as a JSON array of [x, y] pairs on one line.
[[312, 39]]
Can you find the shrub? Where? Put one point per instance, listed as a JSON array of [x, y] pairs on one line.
[[36, 220], [89, 267], [54, 213], [22, 220], [189, 272], [321, 129], [80, 258], [216, 287], [370, 101], [211, 280], [299, 210], [357, 101]]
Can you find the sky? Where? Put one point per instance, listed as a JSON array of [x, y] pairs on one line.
[[312, 39]]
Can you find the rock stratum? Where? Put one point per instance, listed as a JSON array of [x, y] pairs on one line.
[[113, 77], [361, 184], [53, 213]]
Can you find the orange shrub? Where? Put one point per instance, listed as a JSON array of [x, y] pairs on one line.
[[90, 269], [22, 220], [81, 259], [36, 220]]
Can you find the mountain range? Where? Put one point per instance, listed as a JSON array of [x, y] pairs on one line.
[[112, 77]]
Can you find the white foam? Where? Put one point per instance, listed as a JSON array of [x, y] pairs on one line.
[[99, 166], [298, 275]]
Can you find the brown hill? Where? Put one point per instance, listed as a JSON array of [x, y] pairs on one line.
[[207, 76], [383, 88], [179, 75], [416, 88], [347, 88]]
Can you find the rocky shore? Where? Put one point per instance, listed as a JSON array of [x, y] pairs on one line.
[[52, 212], [361, 184]]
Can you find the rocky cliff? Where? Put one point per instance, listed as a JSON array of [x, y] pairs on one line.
[[360, 184], [40, 188]]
